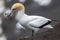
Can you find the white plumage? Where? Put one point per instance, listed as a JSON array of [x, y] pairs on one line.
[[31, 22]]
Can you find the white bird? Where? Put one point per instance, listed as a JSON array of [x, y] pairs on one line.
[[32, 22]]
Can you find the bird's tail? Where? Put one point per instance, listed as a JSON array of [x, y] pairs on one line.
[[55, 20]]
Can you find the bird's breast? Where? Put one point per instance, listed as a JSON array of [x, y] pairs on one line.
[[24, 20]]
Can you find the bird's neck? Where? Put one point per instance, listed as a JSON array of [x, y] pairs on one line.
[[20, 15]]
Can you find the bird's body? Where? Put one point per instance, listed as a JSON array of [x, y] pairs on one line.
[[30, 22]]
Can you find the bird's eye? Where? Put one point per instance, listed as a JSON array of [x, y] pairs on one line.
[[13, 9]]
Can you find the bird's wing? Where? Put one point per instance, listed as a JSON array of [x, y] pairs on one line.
[[19, 26], [46, 28], [38, 21]]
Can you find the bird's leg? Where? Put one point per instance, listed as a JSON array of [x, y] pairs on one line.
[[32, 34]]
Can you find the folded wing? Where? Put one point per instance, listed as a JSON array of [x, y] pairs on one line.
[[39, 22]]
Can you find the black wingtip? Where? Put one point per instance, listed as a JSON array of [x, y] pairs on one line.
[[45, 24]]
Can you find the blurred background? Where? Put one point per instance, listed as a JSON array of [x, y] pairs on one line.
[[47, 8]]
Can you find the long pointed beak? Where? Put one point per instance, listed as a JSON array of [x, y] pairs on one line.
[[11, 13]]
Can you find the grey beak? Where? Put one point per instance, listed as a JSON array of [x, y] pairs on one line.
[[12, 13]]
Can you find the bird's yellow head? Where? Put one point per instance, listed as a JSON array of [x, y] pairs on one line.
[[18, 6]]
